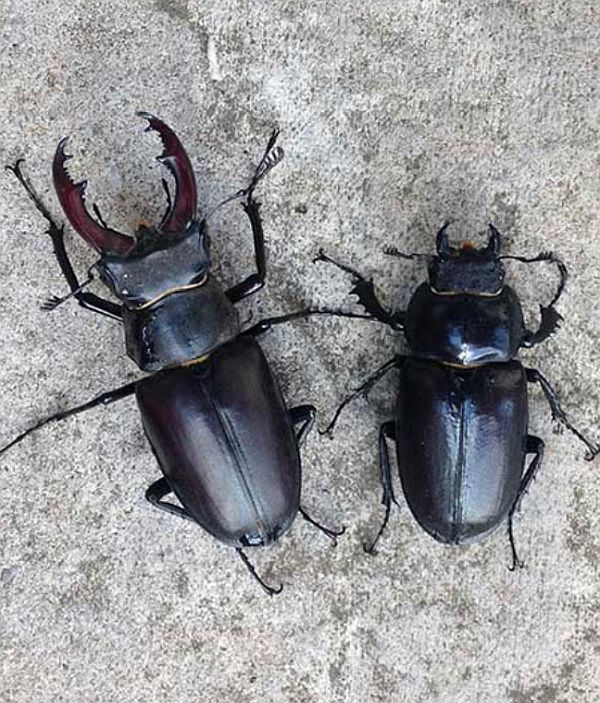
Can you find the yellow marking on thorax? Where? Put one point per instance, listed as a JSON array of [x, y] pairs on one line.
[[193, 362], [475, 295], [454, 365], [170, 291]]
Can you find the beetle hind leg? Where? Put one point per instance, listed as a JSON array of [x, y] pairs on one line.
[[387, 430], [269, 590], [155, 494], [534, 446], [332, 534], [304, 415]]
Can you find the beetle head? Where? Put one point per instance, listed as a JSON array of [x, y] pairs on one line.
[[466, 269], [173, 255]]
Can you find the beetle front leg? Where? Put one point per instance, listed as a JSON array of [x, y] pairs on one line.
[[365, 291], [534, 446], [558, 414], [57, 235], [387, 430], [550, 317]]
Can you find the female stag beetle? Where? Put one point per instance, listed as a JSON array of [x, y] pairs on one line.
[[211, 409], [461, 415]]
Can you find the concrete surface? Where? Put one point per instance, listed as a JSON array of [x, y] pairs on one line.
[[394, 116]]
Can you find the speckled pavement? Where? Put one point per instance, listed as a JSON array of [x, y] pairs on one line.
[[395, 116]]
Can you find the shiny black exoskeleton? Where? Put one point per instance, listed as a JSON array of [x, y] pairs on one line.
[[461, 419], [212, 410]]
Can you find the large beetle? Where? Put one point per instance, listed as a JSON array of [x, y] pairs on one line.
[[212, 410], [461, 419]]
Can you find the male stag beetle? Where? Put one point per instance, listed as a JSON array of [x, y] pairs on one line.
[[212, 410], [461, 415]]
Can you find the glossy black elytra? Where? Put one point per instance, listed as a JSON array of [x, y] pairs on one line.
[[212, 410], [461, 418]]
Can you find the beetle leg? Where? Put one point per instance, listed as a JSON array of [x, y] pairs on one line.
[[305, 414], [365, 291], [388, 429], [155, 494], [550, 317], [265, 324], [269, 590], [534, 446], [255, 281], [558, 414], [56, 233], [363, 389], [102, 399], [549, 324]]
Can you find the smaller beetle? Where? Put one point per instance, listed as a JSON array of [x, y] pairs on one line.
[[212, 410], [461, 419]]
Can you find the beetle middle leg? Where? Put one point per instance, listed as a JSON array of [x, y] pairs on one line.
[[87, 300], [103, 399], [363, 389], [306, 414], [386, 431], [534, 376], [534, 446]]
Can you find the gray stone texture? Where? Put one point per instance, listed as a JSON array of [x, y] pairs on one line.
[[395, 116]]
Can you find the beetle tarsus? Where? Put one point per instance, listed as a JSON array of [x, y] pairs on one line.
[[516, 562], [269, 590], [54, 301], [332, 534], [270, 158], [370, 548]]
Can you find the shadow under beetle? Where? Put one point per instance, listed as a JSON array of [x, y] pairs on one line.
[[461, 417], [214, 415]]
